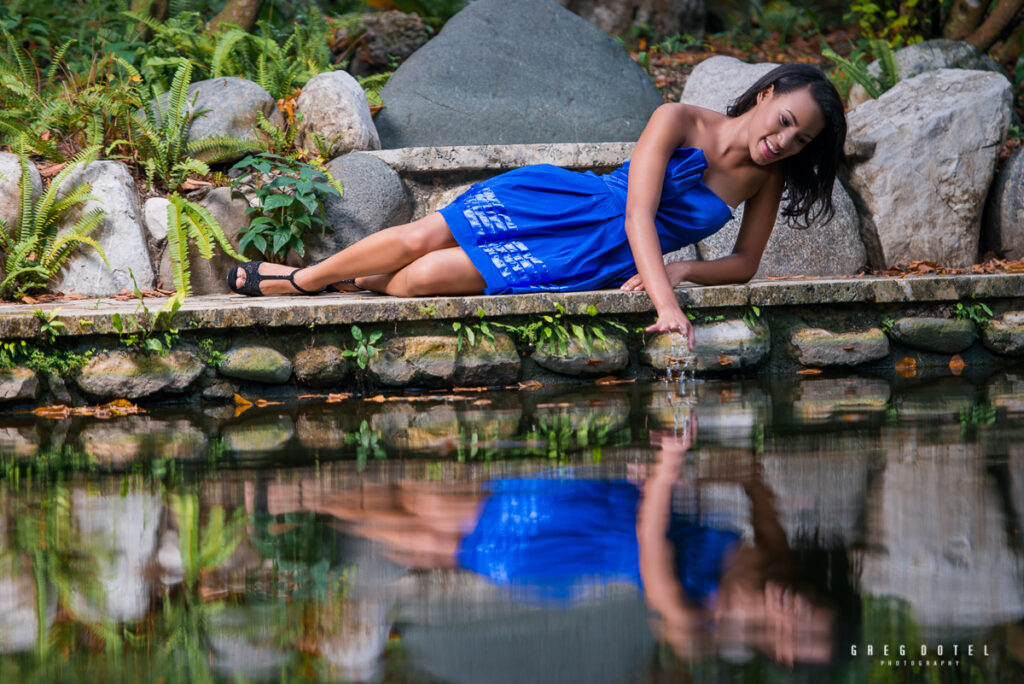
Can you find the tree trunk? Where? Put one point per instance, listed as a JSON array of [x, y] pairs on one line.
[[153, 8], [964, 18], [240, 12], [1010, 50], [1000, 18]]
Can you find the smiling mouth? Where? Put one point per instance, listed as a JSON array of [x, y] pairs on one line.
[[772, 150]]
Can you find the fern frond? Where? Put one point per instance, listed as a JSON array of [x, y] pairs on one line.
[[223, 146], [78, 234], [57, 58], [177, 246], [225, 44]]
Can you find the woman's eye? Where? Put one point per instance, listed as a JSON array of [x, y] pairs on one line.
[[785, 121]]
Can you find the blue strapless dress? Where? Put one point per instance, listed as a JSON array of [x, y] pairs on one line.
[[547, 537], [547, 229]]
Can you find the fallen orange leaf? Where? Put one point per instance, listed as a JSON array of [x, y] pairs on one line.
[[334, 398], [724, 360], [906, 367], [956, 365], [528, 385], [242, 401], [809, 371]]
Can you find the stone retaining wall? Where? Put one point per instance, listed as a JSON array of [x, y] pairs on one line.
[[277, 346]]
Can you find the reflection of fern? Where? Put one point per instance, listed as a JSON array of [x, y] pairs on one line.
[[859, 72], [32, 250], [188, 220]]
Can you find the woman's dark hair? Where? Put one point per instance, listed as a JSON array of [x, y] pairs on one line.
[[809, 175]]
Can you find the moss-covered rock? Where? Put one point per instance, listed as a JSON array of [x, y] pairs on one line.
[[133, 375], [257, 364], [720, 346], [488, 362], [321, 366], [820, 347], [600, 358], [18, 384], [423, 360], [1004, 334], [940, 335]]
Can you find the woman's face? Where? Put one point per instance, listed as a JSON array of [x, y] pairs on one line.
[[783, 124]]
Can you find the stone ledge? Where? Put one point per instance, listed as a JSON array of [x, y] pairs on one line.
[[409, 160], [92, 317]]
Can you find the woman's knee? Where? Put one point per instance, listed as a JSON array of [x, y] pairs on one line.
[[427, 234]]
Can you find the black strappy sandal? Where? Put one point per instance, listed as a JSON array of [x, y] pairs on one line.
[[253, 278]]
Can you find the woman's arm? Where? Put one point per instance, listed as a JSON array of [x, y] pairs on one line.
[[758, 220], [664, 132]]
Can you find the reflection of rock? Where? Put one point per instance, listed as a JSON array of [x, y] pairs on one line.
[[820, 495], [939, 540], [355, 643], [601, 358], [1005, 390], [245, 641], [19, 441], [727, 410], [320, 431], [269, 433], [124, 439], [581, 423], [940, 397], [118, 533], [821, 398], [19, 625], [819, 347], [418, 427]]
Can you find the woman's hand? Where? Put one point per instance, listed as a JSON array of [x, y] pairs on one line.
[[674, 321], [675, 272]]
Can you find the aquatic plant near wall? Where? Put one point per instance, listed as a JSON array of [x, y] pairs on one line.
[[33, 249]]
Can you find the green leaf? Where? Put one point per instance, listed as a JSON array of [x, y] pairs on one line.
[[277, 201]]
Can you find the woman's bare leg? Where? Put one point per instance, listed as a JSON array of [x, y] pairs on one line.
[[386, 251], [441, 272]]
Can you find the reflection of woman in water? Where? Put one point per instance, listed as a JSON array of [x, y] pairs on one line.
[[551, 536]]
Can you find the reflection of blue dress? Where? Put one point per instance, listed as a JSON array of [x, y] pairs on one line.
[[549, 535], [543, 228]]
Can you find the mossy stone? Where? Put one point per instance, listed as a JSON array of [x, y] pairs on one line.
[[940, 335], [321, 366], [257, 364], [820, 347], [600, 358]]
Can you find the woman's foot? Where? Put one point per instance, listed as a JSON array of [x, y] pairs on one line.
[[279, 282]]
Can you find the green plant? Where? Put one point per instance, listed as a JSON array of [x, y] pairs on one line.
[[365, 349], [32, 249], [751, 316], [210, 355], [191, 221], [141, 329], [160, 134], [556, 330], [887, 324], [471, 333], [856, 69], [289, 195], [428, 310], [48, 326], [782, 18], [367, 443], [977, 312]]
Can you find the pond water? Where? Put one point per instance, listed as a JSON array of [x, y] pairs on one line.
[[823, 529]]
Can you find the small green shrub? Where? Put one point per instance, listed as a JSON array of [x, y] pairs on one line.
[[365, 349], [190, 221], [290, 195], [977, 312], [472, 333]]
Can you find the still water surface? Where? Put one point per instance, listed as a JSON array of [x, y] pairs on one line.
[[818, 526]]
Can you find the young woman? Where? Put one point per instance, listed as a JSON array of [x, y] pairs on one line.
[[541, 228]]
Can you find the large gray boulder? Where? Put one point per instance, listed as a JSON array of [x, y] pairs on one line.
[[516, 72], [334, 106], [1003, 227], [662, 17], [716, 82], [929, 55], [232, 106], [374, 198], [828, 249], [206, 275], [10, 177], [120, 234], [921, 159]]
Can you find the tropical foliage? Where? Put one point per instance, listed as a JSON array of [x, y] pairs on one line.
[[33, 248], [189, 222]]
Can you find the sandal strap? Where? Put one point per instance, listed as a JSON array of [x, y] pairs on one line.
[[291, 278]]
